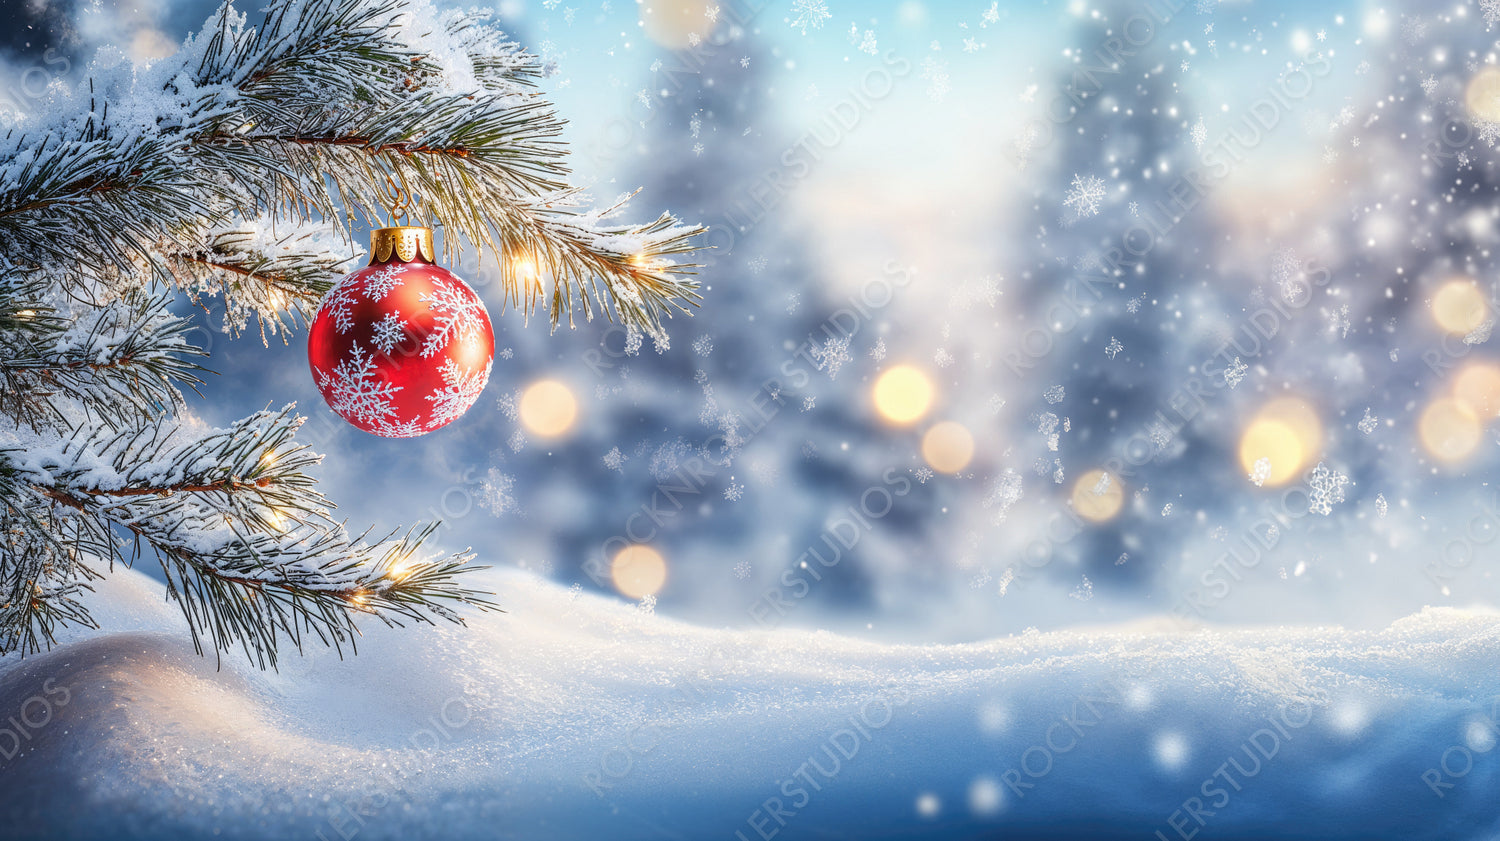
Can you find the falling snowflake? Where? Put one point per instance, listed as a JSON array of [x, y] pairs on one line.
[[923, 475], [1166, 510], [389, 331], [1325, 489], [935, 72], [355, 392], [1005, 579], [615, 460], [867, 45], [1114, 347], [506, 353], [460, 390], [809, 403], [1120, 561], [1491, 11], [1133, 305], [1054, 395], [990, 15], [832, 355], [1101, 486], [1368, 423], [383, 280], [703, 345], [1235, 373], [942, 358], [877, 353], [742, 570], [1084, 195], [517, 441], [496, 493], [1381, 506], [1047, 425], [734, 492], [1199, 134], [1430, 84], [995, 404], [1084, 591], [809, 13], [1260, 471], [456, 312]]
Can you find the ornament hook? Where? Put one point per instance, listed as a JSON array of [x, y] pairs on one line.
[[394, 196]]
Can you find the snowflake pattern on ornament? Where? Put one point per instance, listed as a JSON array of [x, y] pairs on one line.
[[355, 392], [457, 313], [460, 390], [340, 306], [383, 280], [389, 332]]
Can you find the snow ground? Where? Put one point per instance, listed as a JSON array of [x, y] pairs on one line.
[[573, 716]]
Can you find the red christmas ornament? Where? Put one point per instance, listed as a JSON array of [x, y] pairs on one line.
[[403, 346]]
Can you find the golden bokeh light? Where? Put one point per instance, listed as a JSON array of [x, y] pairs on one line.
[[1449, 429], [548, 409], [678, 24], [1482, 96], [902, 394], [1286, 433], [638, 571], [948, 447], [1478, 385], [1098, 496], [1459, 307]]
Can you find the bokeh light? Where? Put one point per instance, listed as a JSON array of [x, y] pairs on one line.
[[638, 571], [1449, 429], [1286, 433], [548, 409], [1482, 97], [677, 24], [1459, 307], [903, 395], [1098, 496], [1478, 385], [948, 447]]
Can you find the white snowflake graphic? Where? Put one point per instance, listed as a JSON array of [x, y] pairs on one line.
[[389, 332], [403, 429], [380, 282], [1084, 195], [355, 393], [456, 311], [339, 305], [809, 13], [460, 390]]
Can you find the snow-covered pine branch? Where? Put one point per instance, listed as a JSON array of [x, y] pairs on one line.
[[229, 170]]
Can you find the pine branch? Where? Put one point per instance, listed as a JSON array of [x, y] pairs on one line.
[[245, 540]]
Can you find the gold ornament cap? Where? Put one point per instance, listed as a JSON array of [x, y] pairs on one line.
[[405, 241]]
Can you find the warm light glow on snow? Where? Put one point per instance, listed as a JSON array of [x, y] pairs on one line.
[[1449, 430], [948, 447], [548, 409], [1098, 496], [638, 571], [1288, 434], [1459, 307], [903, 395]]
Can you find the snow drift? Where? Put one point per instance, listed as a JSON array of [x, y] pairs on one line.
[[574, 716]]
